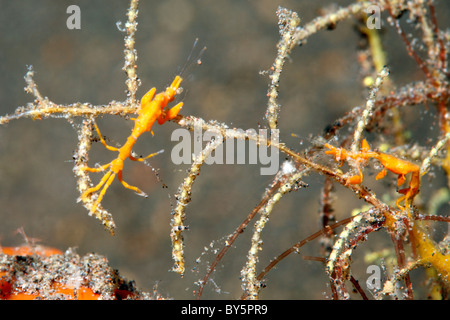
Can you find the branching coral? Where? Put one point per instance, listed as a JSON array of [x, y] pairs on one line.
[[413, 243]]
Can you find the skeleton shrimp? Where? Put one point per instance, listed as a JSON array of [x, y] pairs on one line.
[[389, 162], [151, 110]]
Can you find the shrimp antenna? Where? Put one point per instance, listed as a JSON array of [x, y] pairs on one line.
[[191, 59]]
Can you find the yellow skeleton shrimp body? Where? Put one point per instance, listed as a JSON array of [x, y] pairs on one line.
[[151, 110], [389, 162]]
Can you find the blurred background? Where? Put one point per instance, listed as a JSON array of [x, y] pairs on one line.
[[37, 186]]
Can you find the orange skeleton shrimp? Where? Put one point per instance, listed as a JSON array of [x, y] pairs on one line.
[[389, 162], [151, 110]]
